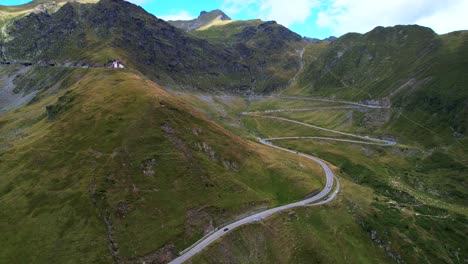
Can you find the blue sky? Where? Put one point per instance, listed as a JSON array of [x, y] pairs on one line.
[[237, 10], [12, 2], [320, 18]]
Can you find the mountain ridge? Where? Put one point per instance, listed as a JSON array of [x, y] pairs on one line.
[[150, 45], [204, 19], [135, 164], [407, 65]]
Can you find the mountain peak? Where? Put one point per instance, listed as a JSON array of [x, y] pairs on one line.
[[205, 19], [213, 15], [37, 6]]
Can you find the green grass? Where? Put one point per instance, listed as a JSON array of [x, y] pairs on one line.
[[324, 234], [399, 168], [271, 128], [416, 198], [421, 73], [60, 177], [373, 122], [221, 33], [383, 170], [223, 109], [268, 103], [364, 121], [167, 173]]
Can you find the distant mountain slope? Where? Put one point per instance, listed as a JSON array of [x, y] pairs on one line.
[[37, 5], [204, 19], [106, 160], [117, 29], [410, 66], [9, 14], [272, 50], [103, 165]]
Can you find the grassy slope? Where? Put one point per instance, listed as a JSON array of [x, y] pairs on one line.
[[355, 229], [264, 58], [421, 73], [311, 234], [423, 228], [271, 128], [369, 66], [325, 234], [10, 13], [29, 7], [223, 109], [96, 33], [444, 178], [134, 122], [427, 191], [270, 50], [419, 198], [224, 32], [204, 20], [60, 177]]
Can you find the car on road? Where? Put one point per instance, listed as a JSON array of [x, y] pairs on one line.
[[226, 229], [257, 219]]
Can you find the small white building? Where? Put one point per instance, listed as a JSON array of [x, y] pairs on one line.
[[116, 64]]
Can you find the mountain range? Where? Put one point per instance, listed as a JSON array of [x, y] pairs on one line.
[[134, 165]]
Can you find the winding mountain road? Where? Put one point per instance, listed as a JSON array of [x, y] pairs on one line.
[[368, 140], [322, 197], [375, 106], [330, 176]]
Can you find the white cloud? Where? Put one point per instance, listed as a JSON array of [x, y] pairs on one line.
[[448, 20], [344, 16], [181, 15], [236, 6], [283, 12], [287, 12]]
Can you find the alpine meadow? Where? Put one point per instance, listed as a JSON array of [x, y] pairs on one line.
[[125, 138]]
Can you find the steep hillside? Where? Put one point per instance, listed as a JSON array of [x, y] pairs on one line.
[[37, 6], [272, 50], [134, 165], [367, 66], [9, 14], [96, 33], [113, 29], [110, 160], [416, 70], [408, 202]]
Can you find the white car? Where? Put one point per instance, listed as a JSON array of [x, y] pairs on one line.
[[257, 219]]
